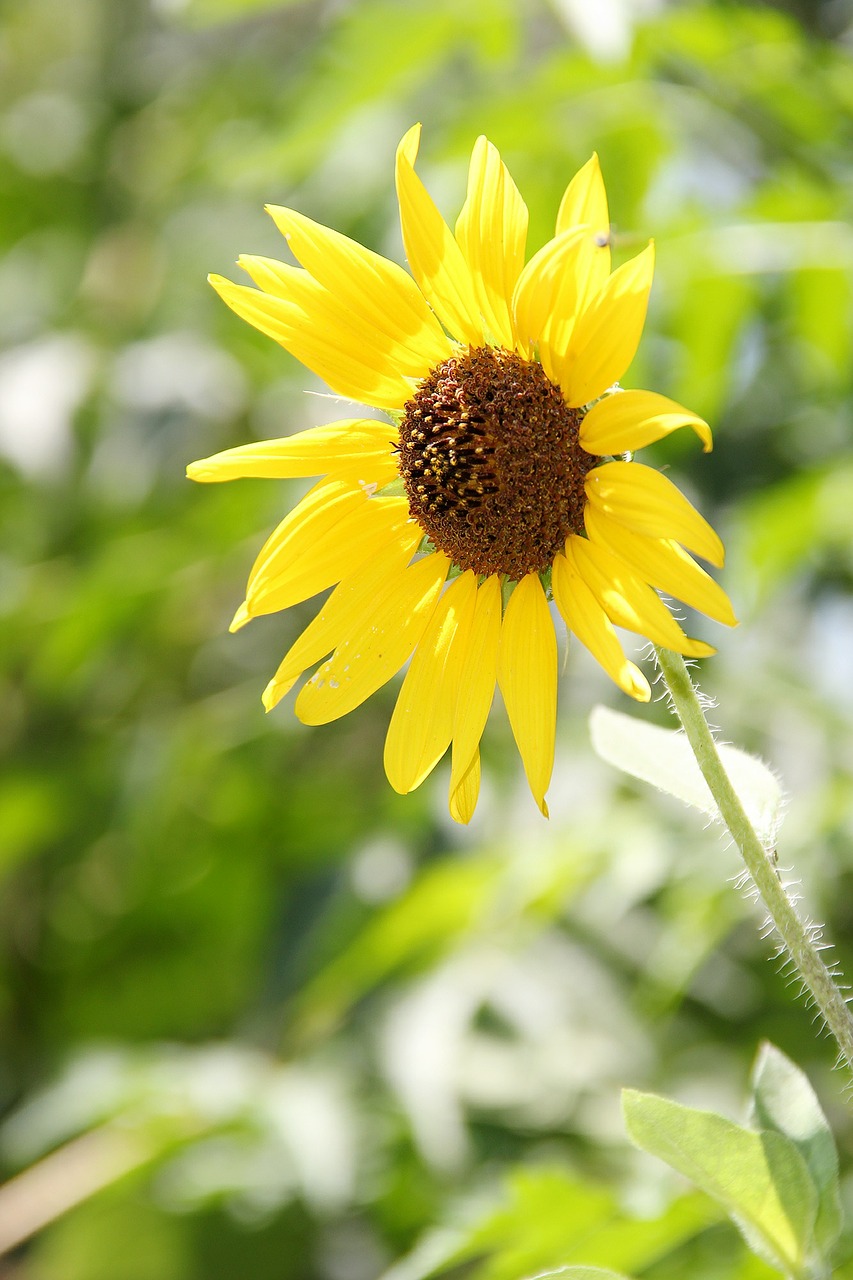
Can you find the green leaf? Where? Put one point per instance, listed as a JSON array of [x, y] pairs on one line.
[[546, 1218], [663, 757], [544, 1221], [783, 1100], [759, 1178]]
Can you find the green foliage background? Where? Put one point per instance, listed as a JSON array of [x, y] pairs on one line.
[[311, 1028]]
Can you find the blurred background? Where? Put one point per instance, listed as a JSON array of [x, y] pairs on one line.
[[260, 1016]]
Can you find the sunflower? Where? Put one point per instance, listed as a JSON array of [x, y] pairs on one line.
[[500, 479]]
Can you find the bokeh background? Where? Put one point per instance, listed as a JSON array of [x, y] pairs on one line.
[[260, 1016]]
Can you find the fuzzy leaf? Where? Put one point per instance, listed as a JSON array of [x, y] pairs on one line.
[[759, 1178], [783, 1100], [663, 757]]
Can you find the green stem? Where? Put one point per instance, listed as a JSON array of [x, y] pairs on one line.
[[793, 932]]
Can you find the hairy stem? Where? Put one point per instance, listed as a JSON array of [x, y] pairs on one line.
[[791, 929]]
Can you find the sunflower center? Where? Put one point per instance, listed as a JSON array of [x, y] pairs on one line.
[[490, 459]]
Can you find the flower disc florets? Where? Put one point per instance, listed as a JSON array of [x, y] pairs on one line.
[[491, 463]]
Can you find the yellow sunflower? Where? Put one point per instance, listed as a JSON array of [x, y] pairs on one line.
[[500, 480]]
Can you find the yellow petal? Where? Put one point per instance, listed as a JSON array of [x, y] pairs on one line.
[[307, 453], [241, 617], [284, 281], [575, 288], [379, 644], [607, 334], [477, 679], [664, 564], [464, 795], [337, 552], [379, 294], [343, 612], [333, 530], [585, 617], [642, 499], [585, 201], [422, 723], [492, 232], [360, 329], [322, 506], [435, 259], [316, 332], [551, 277], [527, 674], [628, 601], [630, 420]]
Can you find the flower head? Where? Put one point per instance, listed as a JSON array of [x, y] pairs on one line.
[[499, 480]]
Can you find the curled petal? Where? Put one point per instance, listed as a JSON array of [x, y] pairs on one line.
[[463, 795], [630, 420]]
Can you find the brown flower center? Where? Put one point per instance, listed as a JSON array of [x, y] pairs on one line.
[[490, 459]]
